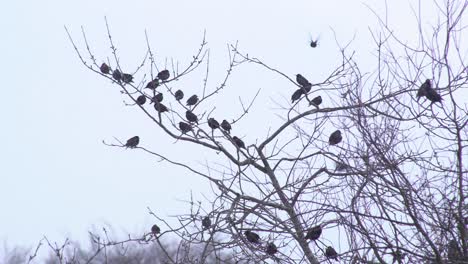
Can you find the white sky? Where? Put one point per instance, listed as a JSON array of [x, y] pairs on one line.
[[58, 179]]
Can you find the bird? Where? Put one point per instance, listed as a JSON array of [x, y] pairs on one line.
[[212, 123], [335, 138], [433, 96], [238, 142], [313, 43], [157, 98], [271, 249], [192, 100], [306, 88], [226, 126], [184, 127], [252, 237], [316, 101], [132, 142], [127, 78], [155, 230], [301, 80], [141, 100], [297, 95], [117, 75], [104, 68], [153, 84], [339, 166], [160, 107], [422, 91], [191, 117], [163, 75], [331, 253], [314, 233], [206, 222], [179, 95]]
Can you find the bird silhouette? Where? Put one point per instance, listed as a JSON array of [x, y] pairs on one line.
[[191, 117], [313, 43], [160, 107], [226, 126], [252, 237], [184, 127], [206, 222], [297, 95], [104, 68], [179, 95], [117, 75], [314, 233], [331, 253], [163, 75], [238, 142], [132, 142], [155, 230], [271, 249], [192, 100], [157, 98], [422, 91], [301, 80], [335, 138], [212, 123], [127, 78], [316, 101], [141, 100], [433, 96], [153, 84]]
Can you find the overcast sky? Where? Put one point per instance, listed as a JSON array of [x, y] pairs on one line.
[[56, 176]]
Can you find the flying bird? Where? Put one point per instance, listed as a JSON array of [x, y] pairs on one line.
[[238, 142], [132, 142], [104, 68], [155, 230], [157, 98], [192, 100], [127, 78], [422, 91], [206, 222], [314, 233], [179, 95], [335, 138], [212, 123], [313, 43], [117, 75], [331, 253], [191, 117], [153, 84], [160, 107], [163, 75], [252, 237], [184, 127], [141, 100], [316, 101], [271, 249], [226, 126], [297, 95], [301, 80]]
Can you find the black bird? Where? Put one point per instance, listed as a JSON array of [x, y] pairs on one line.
[[192, 100], [191, 116], [313, 43], [117, 75], [239, 143], [132, 142], [307, 88], [335, 138], [226, 126], [153, 84], [252, 237], [331, 253], [314, 233], [127, 78], [157, 98], [155, 230], [206, 222], [163, 75], [179, 95], [160, 107], [422, 91], [184, 127], [297, 95], [271, 249], [301, 80], [433, 96], [212, 123], [316, 101], [104, 68], [141, 100]]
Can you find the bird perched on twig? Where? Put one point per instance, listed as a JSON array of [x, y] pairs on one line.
[[192, 100], [127, 78], [301, 80], [163, 75], [157, 98], [252, 237], [316, 101], [141, 100], [335, 138], [314, 233], [191, 117], [155, 230], [160, 107], [297, 95], [206, 222], [132, 142], [117, 75], [238, 142], [271, 249], [104, 68], [184, 127], [331, 253], [433, 96], [226, 126], [152, 84], [212, 123], [422, 91], [179, 95]]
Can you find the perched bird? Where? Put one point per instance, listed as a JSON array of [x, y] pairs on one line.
[[141, 100], [252, 237], [314, 233], [212, 123], [422, 91], [153, 84], [160, 107], [179, 95], [127, 78], [271, 249], [331, 253], [297, 95], [433, 96], [335, 138], [191, 117], [206, 222], [306, 88], [117, 75], [155, 230], [313, 43], [192, 100], [163, 75], [301, 80], [238, 142], [132, 142], [226, 126], [157, 98], [184, 127], [104, 68], [316, 101]]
